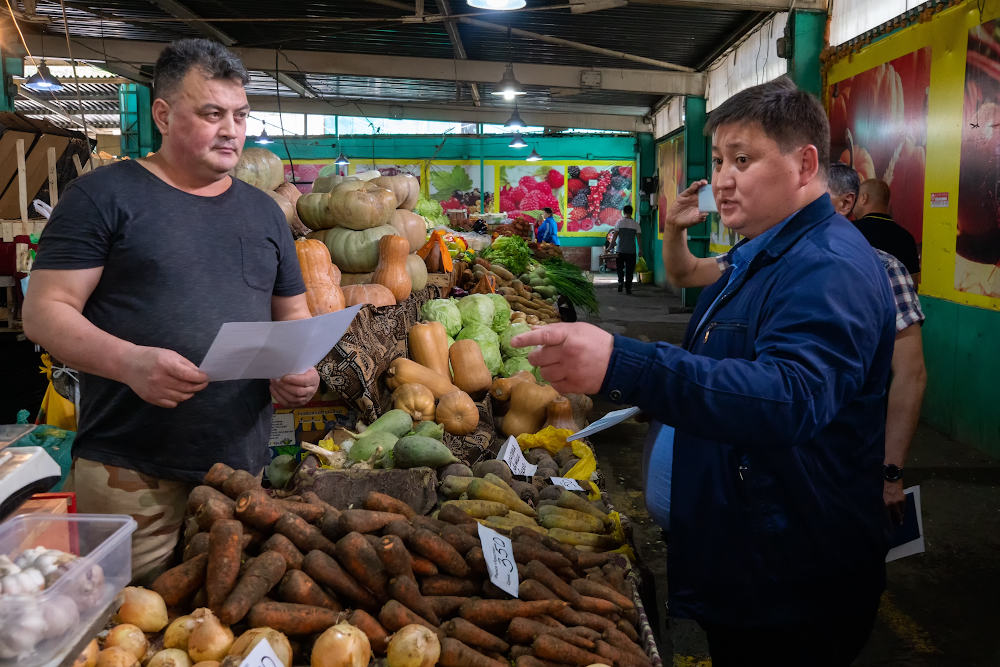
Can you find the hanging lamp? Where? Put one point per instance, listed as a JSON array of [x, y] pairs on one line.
[[534, 157], [517, 142], [341, 159], [515, 120], [508, 87], [498, 5], [43, 80], [263, 139]]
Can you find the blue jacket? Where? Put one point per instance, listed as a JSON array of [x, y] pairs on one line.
[[778, 401], [547, 231]]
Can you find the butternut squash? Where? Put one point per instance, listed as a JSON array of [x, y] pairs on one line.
[[415, 400], [502, 387], [402, 371], [376, 295], [469, 367], [458, 413], [321, 276], [528, 405], [391, 270], [429, 346], [559, 414]]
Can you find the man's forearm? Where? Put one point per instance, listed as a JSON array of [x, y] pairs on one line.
[[678, 261], [902, 415]]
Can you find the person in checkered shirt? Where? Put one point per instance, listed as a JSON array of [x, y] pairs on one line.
[[909, 375]]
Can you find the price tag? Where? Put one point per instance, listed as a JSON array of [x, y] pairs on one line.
[[511, 454], [567, 483], [262, 655], [607, 421], [499, 553]]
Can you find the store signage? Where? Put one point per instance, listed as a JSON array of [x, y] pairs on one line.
[[262, 655], [939, 200], [499, 553], [511, 454], [567, 483]]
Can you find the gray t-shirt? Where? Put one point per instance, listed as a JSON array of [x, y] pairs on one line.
[[627, 227], [176, 267]]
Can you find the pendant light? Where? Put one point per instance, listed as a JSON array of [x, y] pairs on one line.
[[263, 139], [498, 5], [534, 157], [517, 141], [508, 86], [515, 120], [341, 160], [43, 80]]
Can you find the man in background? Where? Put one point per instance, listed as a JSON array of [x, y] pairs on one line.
[[548, 230], [871, 217], [629, 238]]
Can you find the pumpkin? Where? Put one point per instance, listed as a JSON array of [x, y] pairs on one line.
[[376, 295], [356, 279], [469, 367], [502, 387], [528, 405], [429, 346], [328, 182], [405, 187], [391, 268], [458, 413], [287, 210], [260, 168], [353, 251], [415, 400], [418, 272], [403, 371], [292, 194], [360, 205], [411, 227], [312, 210], [289, 191], [559, 414], [322, 278]]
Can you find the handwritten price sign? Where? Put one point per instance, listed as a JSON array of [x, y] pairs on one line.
[[263, 655], [500, 563], [510, 453], [567, 483]]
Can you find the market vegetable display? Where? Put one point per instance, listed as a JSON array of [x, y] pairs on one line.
[[360, 205], [390, 272], [568, 280], [377, 295], [411, 227], [353, 251], [404, 187], [321, 276], [417, 270], [260, 168]]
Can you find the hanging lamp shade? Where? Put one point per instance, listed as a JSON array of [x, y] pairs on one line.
[[263, 139], [498, 5], [341, 159], [534, 157], [517, 141], [43, 80], [515, 120], [508, 86]]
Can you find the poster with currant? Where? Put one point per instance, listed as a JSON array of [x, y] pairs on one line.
[[530, 188], [458, 186], [596, 196]]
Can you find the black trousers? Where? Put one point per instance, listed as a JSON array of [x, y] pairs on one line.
[[626, 269]]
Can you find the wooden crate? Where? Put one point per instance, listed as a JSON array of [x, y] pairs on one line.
[[443, 280]]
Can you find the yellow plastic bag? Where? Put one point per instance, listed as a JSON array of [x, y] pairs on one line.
[[55, 410], [553, 439]]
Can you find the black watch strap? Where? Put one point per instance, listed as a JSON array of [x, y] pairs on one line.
[[892, 473]]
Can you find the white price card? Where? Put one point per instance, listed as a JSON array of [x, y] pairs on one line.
[[607, 421], [499, 553], [510, 453], [567, 483], [262, 655]]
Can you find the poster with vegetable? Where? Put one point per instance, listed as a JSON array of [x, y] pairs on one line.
[[457, 185], [878, 124], [670, 167], [595, 197], [977, 248], [531, 188], [394, 169]]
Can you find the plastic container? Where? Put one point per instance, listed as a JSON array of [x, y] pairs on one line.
[[72, 603], [646, 277]]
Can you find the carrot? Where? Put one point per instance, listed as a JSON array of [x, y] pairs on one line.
[[445, 605], [469, 634], [479, 509], [539, 572], [525, 630], [423, 567], [201, 494], [596, 590], [217, 475], [588, 560], [526, 552], [399, 527], [621, 641], [621, 658], [380, 502], [454, 514], [244, 567], [330, 525], [255, 508], [598, 606], [262, 576], [628, 630], [179, 583], [311, 513], [305, 536], [458, 539], [547, 620], [517, 651], [477, 561], [365, 521], [531, 661], [196, 547], [552, 545], [406, 591], [480, 489], [377, 635], [527, 533], [593, 621], [298, 587], [395, 616], [394, 556], [239, 482], [549, 647], [223, 561], [439, 552], [532, 590], [567, 573], [293, 619], [427, 523], [359, 558], [493, 592], [489, 612], [571, 618], [212, 510], [327, 572], [313, 499], [456, 654], [442, 584], [282, 545]]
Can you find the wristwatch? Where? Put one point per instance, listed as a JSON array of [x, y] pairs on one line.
[[893, 473]]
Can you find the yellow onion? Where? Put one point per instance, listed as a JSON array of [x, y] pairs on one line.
[[209, 640], [129, 637], [88, 656], [144, 609], [342, 645], [414, 646], [249, 639], [116, 656], [215, 663], [171, 657], [179, 632]]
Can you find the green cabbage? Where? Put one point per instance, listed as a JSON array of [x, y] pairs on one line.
[[501, 312], [444, 311], [515, 329], [431, 210], [491, 355], [476, 309], [451, 341], [517, 364]]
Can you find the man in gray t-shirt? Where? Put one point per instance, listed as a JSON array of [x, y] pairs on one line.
[[629, 238]]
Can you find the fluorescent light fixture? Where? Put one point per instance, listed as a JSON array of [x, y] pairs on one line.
[[43, 80], [508, 86], [341, 159], [517, 141], [263, 139], [515, 120], [499, 5], [534, 157]]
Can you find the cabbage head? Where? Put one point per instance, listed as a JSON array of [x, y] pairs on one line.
[[516, 364], [476, 309], [515, 329], [489, 345], [501, 312], [451, 341], [491, 355], [444, 311]]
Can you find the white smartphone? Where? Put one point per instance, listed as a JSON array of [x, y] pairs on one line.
[[706, 199]]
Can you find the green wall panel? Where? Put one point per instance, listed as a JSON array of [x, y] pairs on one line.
[[938, 333]]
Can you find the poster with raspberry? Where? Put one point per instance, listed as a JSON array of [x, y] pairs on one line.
[[531, 188], [457, 185], [596, 196]]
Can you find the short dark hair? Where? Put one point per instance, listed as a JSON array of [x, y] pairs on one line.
[[787, 115], [627, 209], [213, 59], [843, 179], [547, 210]]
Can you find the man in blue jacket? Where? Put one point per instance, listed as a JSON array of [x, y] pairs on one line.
[[778, 533]]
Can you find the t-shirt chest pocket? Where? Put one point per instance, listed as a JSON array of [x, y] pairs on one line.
[[260, 263], [722, 339]]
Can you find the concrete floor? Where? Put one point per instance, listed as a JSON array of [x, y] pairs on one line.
[[941, 607]]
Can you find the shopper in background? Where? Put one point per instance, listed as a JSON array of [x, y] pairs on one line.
[[871, 216], [140, 265], [778, 532], [548, 230], [629, 238]]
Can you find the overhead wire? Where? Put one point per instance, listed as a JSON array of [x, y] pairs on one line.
[[281, 116], [76, 77]]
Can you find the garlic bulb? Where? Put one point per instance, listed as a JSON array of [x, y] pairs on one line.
[[28, 556], [25, 582], [20, 632], [87, 587], [7, 566], [61, 616]]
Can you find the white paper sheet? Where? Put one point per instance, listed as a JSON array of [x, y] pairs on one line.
[[265, 350], [913, 546], [607, 421], [510, 453]]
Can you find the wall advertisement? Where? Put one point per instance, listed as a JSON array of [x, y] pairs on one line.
[[670, 167]]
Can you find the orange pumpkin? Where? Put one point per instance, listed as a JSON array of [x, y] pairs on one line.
[[377, 295], [322, 277], [391, 269], [411, 227]]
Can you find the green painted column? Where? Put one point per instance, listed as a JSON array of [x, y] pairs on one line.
[[646, 162], [9, 68], [697, 165], [140, 135], [807, 29]]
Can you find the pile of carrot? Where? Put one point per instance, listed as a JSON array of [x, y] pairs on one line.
[[300, 566]]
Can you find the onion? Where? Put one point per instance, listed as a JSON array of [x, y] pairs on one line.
[[88, 656], [249, 639], [209, 640], [179, 632], [144, 609], [215, 663], [342, 645], [414, 646], [116, 656], [129, 637], [171, 657]]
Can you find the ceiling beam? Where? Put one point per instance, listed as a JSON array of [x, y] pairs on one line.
[[179, 11], [135, 52], [292, 84], [738, 5], [59, 111], [469, 114], [456, 44]]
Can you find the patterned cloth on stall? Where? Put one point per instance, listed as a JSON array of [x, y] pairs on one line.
[[481, 443]]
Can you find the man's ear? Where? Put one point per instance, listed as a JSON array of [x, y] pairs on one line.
[[161, 115], [809, 166]]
